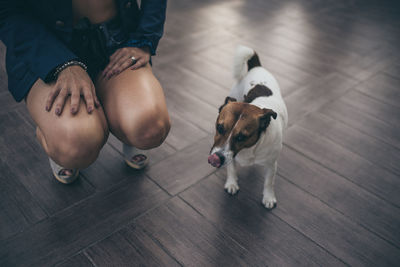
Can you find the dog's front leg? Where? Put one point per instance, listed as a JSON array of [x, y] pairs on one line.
[[231, 184], [269, 199]]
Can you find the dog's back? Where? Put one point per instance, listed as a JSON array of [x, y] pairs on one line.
[[255, 85]]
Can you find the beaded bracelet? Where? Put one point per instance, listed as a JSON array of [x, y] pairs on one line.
[[67, 64]]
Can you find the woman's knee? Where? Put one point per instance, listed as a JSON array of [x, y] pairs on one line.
[[77, 143], [146, 130]]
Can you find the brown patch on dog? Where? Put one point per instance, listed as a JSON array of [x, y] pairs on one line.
[[257, 91], [243, 122], [253, 62], [228, 99]]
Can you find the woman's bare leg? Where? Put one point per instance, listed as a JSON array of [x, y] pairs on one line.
[[72, 141], [135, 107]]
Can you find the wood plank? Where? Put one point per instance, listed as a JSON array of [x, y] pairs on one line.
[[312, 97], [3, 71], [288, 76], [209, 70], [254, 227], [365, 174], [304, 57], [382, 87], [79, 260], [127, 246], [184, 168], [69, 231], [109, 169], [22, 154], [367, 66], [370, 148], [368, 105], [189, 107], [315, 39], [337, 27], [189, 238], [183, 133], [357, 204], [374, 122], [193, 42], [194, 85], [328, 228], [7, 102], [18, 208], [393, 70]]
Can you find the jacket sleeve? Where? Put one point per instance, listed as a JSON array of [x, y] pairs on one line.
[[31, 48], [151, 25]]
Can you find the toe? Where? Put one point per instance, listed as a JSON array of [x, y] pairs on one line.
[[232, 188]]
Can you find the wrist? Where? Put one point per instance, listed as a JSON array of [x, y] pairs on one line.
[[53, 75]]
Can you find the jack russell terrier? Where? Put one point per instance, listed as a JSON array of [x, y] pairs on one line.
[[250, 124]]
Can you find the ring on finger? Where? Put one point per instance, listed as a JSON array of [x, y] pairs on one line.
[[133, 60]]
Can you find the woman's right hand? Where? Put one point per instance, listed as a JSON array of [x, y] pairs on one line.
[[73, 81]]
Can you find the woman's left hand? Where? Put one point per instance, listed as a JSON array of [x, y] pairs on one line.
[[122, 59]]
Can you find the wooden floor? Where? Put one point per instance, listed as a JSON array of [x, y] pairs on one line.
[[338, 184]]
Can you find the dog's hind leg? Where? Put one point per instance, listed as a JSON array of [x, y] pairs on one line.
[[269, 199], [231, 184]]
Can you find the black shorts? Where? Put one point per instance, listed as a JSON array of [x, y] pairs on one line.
[[95, 43]]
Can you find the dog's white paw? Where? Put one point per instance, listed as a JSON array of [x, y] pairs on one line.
[[232, 188], [269, 201]]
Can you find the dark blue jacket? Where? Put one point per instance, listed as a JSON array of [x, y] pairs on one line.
[[35, 33]]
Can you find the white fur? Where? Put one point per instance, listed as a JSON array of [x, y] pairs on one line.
[[242, 54], [267, 149]]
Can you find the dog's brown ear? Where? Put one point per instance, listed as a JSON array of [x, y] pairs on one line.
[[228, 100], [265, 118]]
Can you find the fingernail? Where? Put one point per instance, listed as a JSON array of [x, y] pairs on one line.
[[47, 108], [90, 109], [57, 111], [73, 110]]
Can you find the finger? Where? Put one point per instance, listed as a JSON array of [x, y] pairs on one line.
[[109, 65], [60, 101], [96, 100], [50, 98], [123, 59], [122, 66], [116, 53], [88, 96], [75, 99], [108, 71], [140, 63], [113, 61]]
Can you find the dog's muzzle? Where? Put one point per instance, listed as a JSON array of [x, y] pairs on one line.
[[216, 159]]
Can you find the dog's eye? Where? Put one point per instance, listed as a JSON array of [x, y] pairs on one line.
[[220, 129], [240, 138]]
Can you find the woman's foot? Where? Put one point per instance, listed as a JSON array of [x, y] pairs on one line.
[[134, 158], [63, 175]]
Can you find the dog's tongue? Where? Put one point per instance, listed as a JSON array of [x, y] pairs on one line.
[[214, 160]]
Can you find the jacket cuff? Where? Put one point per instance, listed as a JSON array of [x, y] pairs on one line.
[[46, 70]]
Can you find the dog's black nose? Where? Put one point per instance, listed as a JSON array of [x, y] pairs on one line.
[[221, 158]]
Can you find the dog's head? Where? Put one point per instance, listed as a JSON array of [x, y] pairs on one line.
[[239, 125]]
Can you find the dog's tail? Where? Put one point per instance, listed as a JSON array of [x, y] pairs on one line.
[[245, 59]]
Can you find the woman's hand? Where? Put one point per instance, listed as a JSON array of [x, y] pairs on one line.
[[122, 59], [72, 81]]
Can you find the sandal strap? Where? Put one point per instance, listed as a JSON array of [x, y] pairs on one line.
[[59, 169]]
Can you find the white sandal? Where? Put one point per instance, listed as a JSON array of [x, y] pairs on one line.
[[59, 173], [134, 159]]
